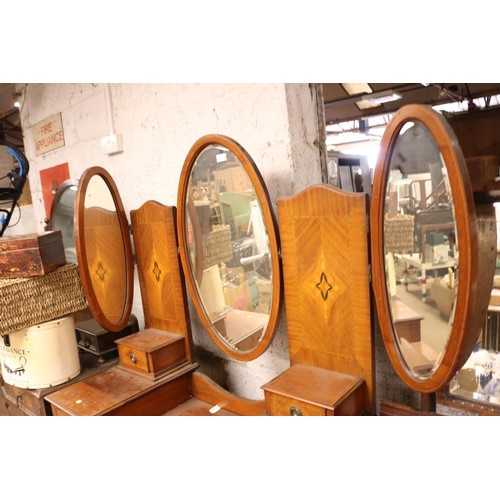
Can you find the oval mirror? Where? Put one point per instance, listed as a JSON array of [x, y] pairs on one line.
[[229, 246], [104, 249], [425, 250], [62, 213]]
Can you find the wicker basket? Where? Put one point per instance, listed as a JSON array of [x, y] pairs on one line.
[[399, 233], [25, 302], [217, 246]]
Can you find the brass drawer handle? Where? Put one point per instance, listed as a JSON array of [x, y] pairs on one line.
[[133, 358], [295, 411]]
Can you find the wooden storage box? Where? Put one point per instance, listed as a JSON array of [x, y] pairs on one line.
[[93, 338], [152, 353], [31, 254], [304, 390]]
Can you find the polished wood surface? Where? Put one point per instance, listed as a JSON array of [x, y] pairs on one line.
[[118, 392], [102, 295], [208, 391], [161, 278], [324, 245], [262, 195], [476, 244], [196, 408], [106, 260], [304, 390]]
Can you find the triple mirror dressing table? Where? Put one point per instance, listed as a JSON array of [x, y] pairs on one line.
[[333, 256]]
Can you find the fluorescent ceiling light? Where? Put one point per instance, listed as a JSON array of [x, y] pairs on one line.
[[379, 98], [357, 88], [366, 104]]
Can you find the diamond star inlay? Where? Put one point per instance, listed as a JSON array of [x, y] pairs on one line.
[[156, 271], [101, 271], [323, 286]]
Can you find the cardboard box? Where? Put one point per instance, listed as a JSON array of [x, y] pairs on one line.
[[437, 254]]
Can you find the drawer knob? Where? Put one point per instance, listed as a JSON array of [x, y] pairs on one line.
[[295, 411], [133, 358]]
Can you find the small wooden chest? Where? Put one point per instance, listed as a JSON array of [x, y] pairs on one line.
[[29, 255], [93, 338], [304, 390], [152, 353]]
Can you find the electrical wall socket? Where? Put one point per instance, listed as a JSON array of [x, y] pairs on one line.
[[112, 144]]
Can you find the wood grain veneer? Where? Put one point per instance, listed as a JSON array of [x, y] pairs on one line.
[[161, 279], [324, 245]]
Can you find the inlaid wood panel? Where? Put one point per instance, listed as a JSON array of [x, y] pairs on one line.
[[106, 260], [324, 244], [160, 276]]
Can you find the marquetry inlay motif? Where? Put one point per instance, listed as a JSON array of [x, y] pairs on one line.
[[156, 271], [323, 286], [100, 271]]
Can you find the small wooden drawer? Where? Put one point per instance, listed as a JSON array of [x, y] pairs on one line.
[[284, 406], [310, 391], [152, 353]]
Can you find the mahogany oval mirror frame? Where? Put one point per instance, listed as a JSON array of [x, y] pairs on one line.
[[469, 305], [259, 228], [104, 249]]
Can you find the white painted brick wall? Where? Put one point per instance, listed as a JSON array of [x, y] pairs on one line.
[[275, 123]]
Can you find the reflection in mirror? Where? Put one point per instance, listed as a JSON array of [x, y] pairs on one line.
[[62, 218], [103, 258], [421, 252], [228, 248]]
